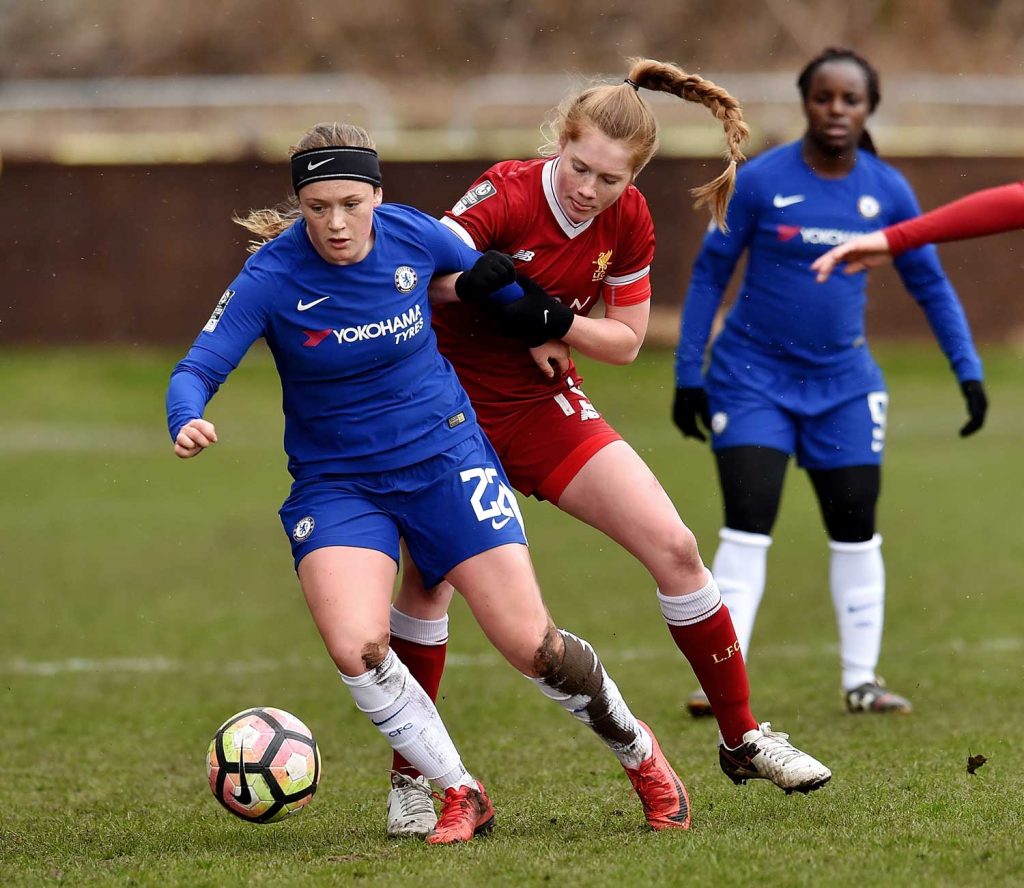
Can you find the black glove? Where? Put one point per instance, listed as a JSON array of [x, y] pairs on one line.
[[977, 406], [489, 273], [689, 404], [535, 318]]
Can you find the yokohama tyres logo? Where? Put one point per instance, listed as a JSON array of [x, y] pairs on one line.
[[402, 327], [830, 237]]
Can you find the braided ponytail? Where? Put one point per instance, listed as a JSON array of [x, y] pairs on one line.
[[666, 77], [619, 112]]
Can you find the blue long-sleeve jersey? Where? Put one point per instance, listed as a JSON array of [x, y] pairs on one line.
[[786, 216], [364, 387]]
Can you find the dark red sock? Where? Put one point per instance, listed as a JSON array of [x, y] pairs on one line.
[[714, 653], [426, 664]]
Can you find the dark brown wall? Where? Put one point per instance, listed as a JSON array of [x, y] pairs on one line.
[[140, 255]]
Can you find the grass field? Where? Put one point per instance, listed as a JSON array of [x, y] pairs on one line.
[[145, 599]]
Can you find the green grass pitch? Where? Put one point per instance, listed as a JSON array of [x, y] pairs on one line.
[[145, 599]]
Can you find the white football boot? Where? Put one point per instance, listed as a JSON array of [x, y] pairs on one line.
[[874, 696], [768, 755], [410, 807]]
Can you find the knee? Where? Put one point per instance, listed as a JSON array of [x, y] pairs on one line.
[[681, 549], [549, 655], [373, 653], [353, 657], [850, 521], [439, 596], [750, 517], [851, 528], [575, 671]]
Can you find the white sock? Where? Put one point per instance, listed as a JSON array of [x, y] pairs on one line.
[[696, 607], [857, 578], [740, 567], [427, 632], [603, 710], [401, 710]]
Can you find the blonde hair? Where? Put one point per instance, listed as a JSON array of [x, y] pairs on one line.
[[268, 223], [618, 111]]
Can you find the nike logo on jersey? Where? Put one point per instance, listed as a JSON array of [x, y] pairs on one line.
[[306, 306], [780, 201], [312, 166]]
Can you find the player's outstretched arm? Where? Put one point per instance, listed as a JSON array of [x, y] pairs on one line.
[[193, 438], [859, 253], [488, 279], [536, 318]]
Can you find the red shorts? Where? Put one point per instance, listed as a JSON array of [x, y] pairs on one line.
[[544, 444]]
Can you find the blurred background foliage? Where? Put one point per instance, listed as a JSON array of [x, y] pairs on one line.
[[106, 103], [107, 81], [406, 41]]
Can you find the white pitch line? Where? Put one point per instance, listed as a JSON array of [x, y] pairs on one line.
[[153, 665]]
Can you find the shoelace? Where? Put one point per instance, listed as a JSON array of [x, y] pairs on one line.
[[650, 777], [413, 798], [779, 749], [453, 803]]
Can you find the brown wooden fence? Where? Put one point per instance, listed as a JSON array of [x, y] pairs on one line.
[[140, 255]]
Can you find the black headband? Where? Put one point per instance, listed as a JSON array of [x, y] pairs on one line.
[[317, 164]]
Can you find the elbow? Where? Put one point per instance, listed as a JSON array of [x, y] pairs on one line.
[[622, 359]]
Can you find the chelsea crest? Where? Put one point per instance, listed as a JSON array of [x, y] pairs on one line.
[[405, 278], [868, 206]]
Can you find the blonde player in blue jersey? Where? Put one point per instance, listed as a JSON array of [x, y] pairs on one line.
[[383, 443], [791, 372]]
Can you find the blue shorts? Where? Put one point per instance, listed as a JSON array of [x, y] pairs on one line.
[[448, 508], [829, 420]]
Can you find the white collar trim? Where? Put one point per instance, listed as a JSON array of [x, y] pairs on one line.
[[570, 228]]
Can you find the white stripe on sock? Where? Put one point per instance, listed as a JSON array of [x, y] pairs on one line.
[[687, 610]]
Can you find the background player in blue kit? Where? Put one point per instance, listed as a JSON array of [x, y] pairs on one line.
[[791, 371], [382, 443]]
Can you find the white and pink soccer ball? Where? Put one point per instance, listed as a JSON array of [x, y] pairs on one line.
[[263, 765]]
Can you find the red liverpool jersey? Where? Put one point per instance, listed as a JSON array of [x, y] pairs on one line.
[[512, 207]]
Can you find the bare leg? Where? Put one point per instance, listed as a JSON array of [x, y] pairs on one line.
[[500, 588], [348, 592], [415, 599], [419, 635], [618, 494]]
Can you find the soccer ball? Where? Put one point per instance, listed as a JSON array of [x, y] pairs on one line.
[[263, 765]]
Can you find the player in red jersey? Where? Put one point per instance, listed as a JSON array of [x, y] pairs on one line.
[[983, 212], [574, 222]]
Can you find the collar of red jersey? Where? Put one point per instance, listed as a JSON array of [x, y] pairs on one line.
[[570, 228]]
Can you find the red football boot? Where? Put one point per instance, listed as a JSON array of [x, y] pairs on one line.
[[465, 813], [666, 804]]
